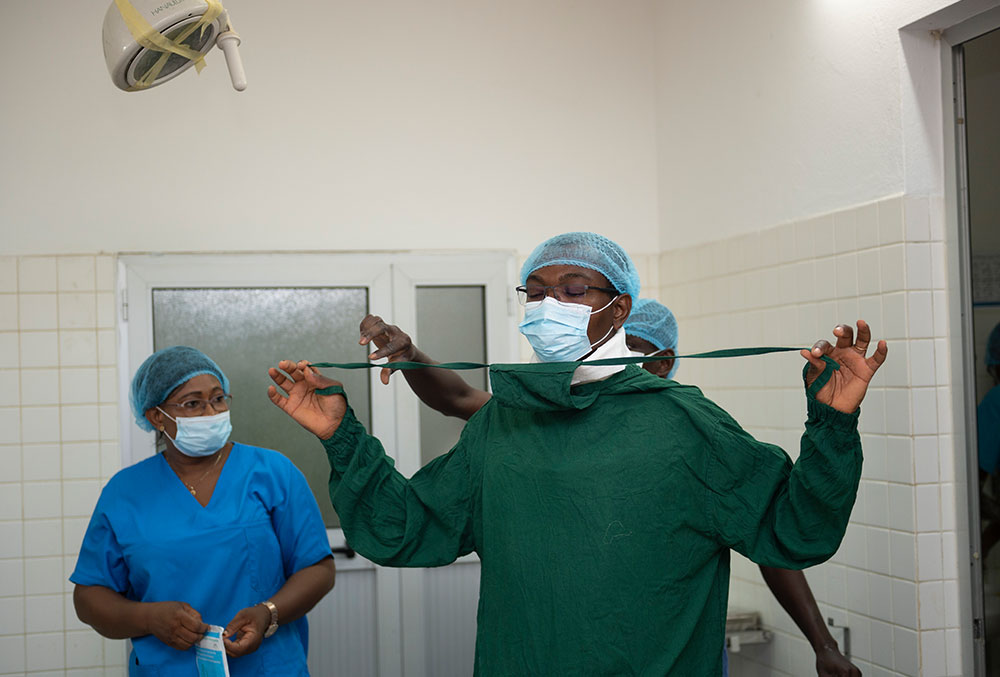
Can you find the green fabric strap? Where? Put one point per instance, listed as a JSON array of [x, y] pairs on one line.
[[611, 361]]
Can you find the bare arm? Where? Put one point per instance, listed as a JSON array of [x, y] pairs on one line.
[[175, 624], [441, 389], [300, 593], [792, 591]]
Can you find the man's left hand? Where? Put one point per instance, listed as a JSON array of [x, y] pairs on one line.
[[831, 663], [847, 386]]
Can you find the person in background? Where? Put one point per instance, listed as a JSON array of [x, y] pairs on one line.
[[988, 434], [209, 531], [650, 330], [602, 501]]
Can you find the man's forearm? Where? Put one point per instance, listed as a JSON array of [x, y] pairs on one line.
[[792, 591], [443, 390]]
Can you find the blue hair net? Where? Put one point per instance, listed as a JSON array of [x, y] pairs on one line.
[[587, 250], [162, 372], [993, 347], [653, 321]]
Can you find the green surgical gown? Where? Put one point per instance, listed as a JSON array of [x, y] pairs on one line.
[[603, 515]]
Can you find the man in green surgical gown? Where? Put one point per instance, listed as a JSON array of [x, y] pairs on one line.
[[602, 501]]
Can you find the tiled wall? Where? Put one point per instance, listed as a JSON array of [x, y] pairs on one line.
[[894, 580], [58, 445]]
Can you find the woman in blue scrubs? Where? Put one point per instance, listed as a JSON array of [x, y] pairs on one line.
[[208, 532]]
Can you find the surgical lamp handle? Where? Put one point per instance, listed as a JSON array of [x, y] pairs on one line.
[[229, 42]]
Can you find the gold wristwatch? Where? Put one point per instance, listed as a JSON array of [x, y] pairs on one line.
[[273, 627]]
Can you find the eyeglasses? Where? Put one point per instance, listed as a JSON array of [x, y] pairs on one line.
[[218, 403], [568, 293]]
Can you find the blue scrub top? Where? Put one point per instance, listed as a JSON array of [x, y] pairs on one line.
[[988, 417], [150, 540]]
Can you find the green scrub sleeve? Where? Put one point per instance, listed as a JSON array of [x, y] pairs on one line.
[[425, 521], [778, 514]]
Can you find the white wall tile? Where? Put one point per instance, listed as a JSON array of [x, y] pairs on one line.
[[107, 384], [106, 310], [9, 312], [881, 643], [74, 529], [38, 312], [939, 267], [906, 651], [916, 214], [10, 387], [878, 548], [952, 604], [867, 226], [857, 590], [81, 460], [10, 501], [111, 458], [895, 371], [78, 348], [43, 575], [880, 602], [918, 266], [39, 349], [105, 273], [80, 423], [928, 503], [39, 387], [12, 654], [37, 274], [107, 347], [874, 448], [953, 651], [844, 231], [861, 630], [925, 410], [941, 320], [847, 275], [78, 385], [80, 497], [76, 273], [925, 459], [931, 601], [11, 540], [10, 352], [892, 260], [40, 461], [40, 424], [904, 603], [890, 220], [901, 509], [897, 411], [869, 272], [42, 500], [921, 361], [8, 274], [84, 648], [43, 538], [929, 556], [10, 425], [77, 311], [45, 651], [108, 421], [894, 316], [949, 554], [43, 613], [919, 314], [836, 585], [11, 618]]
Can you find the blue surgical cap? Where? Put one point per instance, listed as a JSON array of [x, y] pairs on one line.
[[162, 372], [655, 323], [587, 250], [993, 347]]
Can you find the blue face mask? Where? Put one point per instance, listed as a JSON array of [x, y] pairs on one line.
[[557, 331], [201, 435]]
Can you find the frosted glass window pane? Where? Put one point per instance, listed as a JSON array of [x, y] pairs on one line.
[[451, 327], [248, 330]]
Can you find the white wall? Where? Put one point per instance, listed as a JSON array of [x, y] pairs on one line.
[[778, 110], [366, 125]]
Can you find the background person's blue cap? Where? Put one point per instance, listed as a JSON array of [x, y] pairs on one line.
[[162, 372], [653, 321], [587, 250]]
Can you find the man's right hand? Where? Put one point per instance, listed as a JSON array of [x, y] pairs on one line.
[[294, 392], [390, 341], [175, 624]]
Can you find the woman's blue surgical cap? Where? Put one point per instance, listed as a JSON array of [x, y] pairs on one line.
[[993, 347], [162, 372], [655, 323], [587, 250]]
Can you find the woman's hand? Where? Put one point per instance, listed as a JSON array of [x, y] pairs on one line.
[[847, 386], [175, 624], [319, 414], [248, 626]]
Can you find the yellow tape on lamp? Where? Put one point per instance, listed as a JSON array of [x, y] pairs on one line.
[[152, 39]]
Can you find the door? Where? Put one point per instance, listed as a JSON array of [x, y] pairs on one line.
[[247, 312]]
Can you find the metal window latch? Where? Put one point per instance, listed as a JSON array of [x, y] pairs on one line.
[[844, 641], [744, 628]]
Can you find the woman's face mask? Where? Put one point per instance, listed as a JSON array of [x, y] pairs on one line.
[[557, 331], [201, 435]]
